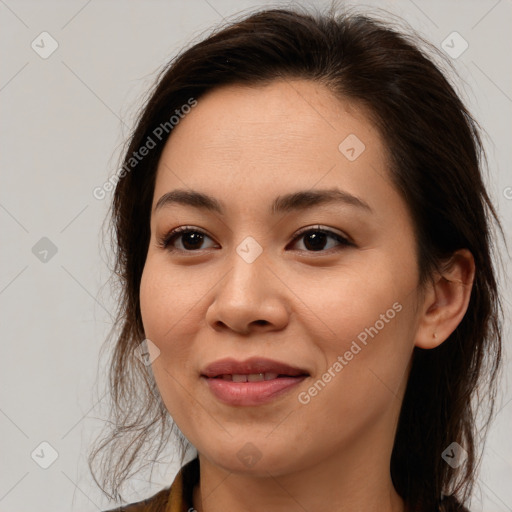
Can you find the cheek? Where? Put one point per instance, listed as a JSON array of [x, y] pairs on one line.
[[152, 301], [160, 311], [170, 303], [365, 322], [364, 367], [162, 307], [164, 299], [346, 303]]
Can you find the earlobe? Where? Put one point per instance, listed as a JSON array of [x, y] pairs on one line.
[[446, 301]]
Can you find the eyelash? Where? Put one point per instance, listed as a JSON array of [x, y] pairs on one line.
[[175, 233]]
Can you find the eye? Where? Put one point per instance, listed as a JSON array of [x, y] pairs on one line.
[[192, 239], [315, 239]]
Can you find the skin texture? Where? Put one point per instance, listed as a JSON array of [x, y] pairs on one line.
[[245, 146]]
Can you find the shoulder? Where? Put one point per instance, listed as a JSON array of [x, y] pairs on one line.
[[156, 503], [176, 497]]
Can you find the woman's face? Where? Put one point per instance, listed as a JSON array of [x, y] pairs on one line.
[[256, 278]]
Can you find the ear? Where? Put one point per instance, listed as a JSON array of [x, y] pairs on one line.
[[446, 301]]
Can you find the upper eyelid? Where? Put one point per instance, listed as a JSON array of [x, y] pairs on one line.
[[319, 227], [175, 233]]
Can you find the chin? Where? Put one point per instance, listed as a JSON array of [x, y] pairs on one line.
[[254, 458]]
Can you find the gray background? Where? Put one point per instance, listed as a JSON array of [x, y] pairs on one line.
[[62, 122]]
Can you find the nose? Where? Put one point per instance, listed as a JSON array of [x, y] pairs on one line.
[[249, 298]]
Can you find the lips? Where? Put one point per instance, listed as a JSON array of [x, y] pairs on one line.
[[251, 370], [253, 382]]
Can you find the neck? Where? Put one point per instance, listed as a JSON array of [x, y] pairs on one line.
[[355, 478]]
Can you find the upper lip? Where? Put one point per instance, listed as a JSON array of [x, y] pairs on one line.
[[231, 366]]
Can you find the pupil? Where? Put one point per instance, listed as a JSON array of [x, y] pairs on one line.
[[317, 239], [194, 237]]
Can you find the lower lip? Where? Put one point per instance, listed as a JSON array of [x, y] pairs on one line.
[[251, 393]]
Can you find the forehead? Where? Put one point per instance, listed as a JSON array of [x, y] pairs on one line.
[[291, 112], [260, 141]]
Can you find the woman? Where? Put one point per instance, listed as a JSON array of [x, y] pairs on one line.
[[304, 241]]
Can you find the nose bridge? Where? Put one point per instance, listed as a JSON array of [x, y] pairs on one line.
[[248, 294], [248, 269]]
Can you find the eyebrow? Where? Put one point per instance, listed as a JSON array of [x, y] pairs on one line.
[[282, 204]]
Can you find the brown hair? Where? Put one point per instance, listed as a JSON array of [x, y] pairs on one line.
[[435, 160]]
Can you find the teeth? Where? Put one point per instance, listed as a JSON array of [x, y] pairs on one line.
[[253, 377]]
